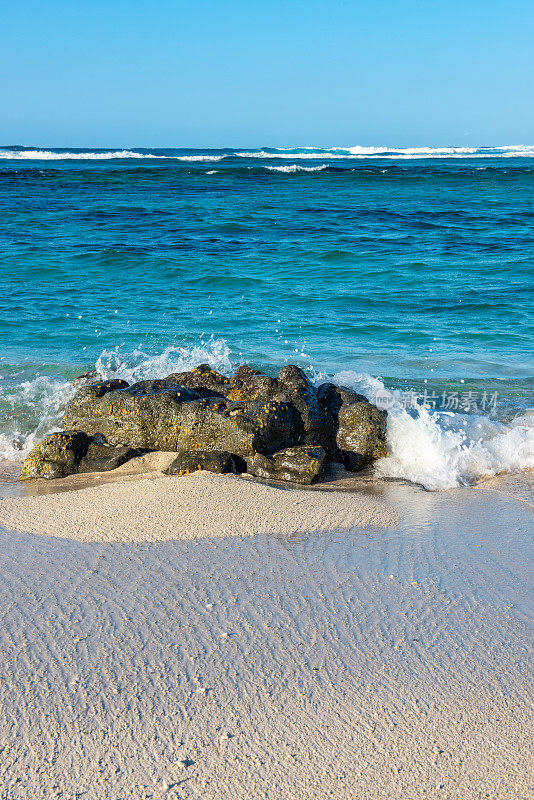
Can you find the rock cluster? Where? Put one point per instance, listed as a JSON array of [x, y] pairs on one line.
[[281, 428]]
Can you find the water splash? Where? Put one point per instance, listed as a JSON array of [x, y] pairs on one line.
[[445, 449], [437, 449]]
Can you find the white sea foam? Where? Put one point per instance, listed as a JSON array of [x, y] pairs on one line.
[[439, 450], [139, 366], [358, 152], [34, 408], [303, 153], [296, 168], [52, 155], [195, 158], [443, 450], [263, 154]]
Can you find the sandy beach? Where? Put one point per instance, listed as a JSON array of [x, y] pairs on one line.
[[212, 637]]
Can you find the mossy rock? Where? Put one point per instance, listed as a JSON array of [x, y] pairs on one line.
[[205, 380], [361, 434], [56, 456], [218, 461], [161, 415], [68, 452], [303, 464]]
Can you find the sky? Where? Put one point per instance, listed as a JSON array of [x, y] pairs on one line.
[[244, 73]]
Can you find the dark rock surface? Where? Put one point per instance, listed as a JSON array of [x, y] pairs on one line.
[[99, 389], [56, 456], [357, 426], [68, 452], [102, 457], [251, 384], [361, 434], [291, 386], [92, 376], [160, 415], [143, 415], [302, 464], [204, 379], [220, 461], [282, 426]]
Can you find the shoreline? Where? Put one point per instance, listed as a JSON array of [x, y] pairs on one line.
[[138, 501]]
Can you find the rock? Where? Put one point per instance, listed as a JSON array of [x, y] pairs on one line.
[[56, 456], [159, 387], [359, 427], [251, 384], [141, 415], [361, 434], [92, 376], [220, 461], [161, 415], [302, 464], [203, 378], [301, 392], [101, 457], [330, 398], [100, 388], [241, 428], [281, 425], [291, 386], [69, 452]]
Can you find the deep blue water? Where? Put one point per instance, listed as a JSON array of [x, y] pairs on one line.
[[402, 265]]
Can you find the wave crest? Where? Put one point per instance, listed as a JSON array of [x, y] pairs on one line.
[[356, 152], [93, 155], [290, 168]]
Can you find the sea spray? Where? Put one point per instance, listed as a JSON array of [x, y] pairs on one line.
[[33, 408], [445, 449]]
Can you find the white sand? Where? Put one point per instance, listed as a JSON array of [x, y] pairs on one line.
[[361, 662], [197, 505]]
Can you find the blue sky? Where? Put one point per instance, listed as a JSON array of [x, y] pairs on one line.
[[239, 73]]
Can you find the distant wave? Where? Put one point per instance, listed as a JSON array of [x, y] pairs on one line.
[[195, 158], [53, 155], [297, 168], [508, 151], [299, 153]]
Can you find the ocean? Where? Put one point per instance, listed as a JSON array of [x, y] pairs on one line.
[[405, 273]]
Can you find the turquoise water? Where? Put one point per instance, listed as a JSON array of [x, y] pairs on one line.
[[414, 266]]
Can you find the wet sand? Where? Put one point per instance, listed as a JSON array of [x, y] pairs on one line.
[[384, 651]]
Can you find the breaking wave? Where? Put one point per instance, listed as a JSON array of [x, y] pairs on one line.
[[94, 155], [357, 152], [445, 449], [296, 168], [31, 409], [300, 153], [437, 449]]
